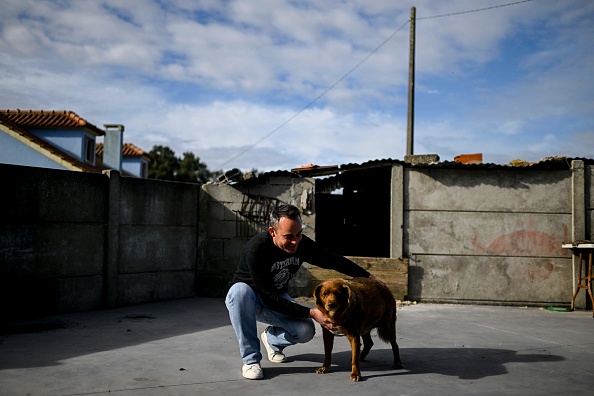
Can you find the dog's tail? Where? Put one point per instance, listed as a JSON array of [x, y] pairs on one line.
[[386, 331]]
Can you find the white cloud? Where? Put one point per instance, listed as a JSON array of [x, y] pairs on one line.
[[216, 77]]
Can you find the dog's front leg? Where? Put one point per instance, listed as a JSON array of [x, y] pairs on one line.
[[328, 345], [355, 355]]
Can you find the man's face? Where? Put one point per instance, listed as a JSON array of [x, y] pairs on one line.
[[287, 234]]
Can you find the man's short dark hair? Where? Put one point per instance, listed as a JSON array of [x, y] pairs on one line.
[[290, 211]]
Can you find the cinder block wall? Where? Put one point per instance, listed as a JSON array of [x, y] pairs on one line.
[[221, 237]]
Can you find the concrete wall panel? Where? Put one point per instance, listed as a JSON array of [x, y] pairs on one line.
[[473, 234], [52, 249], [158, 202], [36, 195], [491, 279], [510, 190], [156, 286], [79, 294], [149, 248], [222, 193], [482, 233]]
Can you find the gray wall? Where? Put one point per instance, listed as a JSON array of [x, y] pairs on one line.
[[223, 233], [489, 235], [157, 241], [74, 241]]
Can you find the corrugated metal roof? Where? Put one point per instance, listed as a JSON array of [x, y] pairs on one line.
[[549, 163]]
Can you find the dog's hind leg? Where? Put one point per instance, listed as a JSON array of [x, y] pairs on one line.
[[328, 338], [387, 332], [397, 362], [367, 344]]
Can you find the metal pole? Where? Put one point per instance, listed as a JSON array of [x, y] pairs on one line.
[[411, 86]]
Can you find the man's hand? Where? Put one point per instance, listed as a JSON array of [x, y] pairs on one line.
[[319, 317]]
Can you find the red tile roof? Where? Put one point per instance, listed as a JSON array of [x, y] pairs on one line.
[[50, 119], [45, 146], [128, 150]]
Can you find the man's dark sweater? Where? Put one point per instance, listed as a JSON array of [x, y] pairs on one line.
[[268, 269]]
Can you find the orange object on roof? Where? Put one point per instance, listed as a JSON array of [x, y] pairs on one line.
[[469, 158]]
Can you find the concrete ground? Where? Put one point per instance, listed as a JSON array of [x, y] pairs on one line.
[[187, 347]]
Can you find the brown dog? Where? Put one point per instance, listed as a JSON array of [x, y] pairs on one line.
[[356, 307]]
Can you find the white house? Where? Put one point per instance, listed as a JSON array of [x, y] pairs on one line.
[[64, 140]]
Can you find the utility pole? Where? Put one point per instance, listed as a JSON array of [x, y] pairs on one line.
[[411, 86]]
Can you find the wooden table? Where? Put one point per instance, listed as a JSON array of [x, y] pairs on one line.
[[585, 250]]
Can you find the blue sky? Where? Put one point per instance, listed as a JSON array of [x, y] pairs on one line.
[[246, 83]]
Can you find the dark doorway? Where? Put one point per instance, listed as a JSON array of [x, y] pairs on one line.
[[356, 222]]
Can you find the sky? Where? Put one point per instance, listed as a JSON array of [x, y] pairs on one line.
[[277, 84]]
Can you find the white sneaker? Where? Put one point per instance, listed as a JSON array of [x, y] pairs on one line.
[[252, 371], [273, 356]]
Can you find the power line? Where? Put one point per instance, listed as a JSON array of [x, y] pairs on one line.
[[476, 10], [317, 98], [352, 69]]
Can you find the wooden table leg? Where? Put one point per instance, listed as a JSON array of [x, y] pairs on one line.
[[590, 280], [579, 283]]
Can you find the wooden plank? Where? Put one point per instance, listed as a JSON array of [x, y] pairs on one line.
[[393, 272]]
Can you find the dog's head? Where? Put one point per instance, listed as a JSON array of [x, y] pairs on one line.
[[332, 297]]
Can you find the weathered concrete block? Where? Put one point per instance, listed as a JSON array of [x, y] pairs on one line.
[[483, 233], [421, 159], [48, 195], [495, 279], [148, 248], [222, 229], [214, 248], [483, 190], [234, 247], [212, 285], [151, 202], [156, 286], [79, 294], [52, 250], [222, 193], [282, 192]]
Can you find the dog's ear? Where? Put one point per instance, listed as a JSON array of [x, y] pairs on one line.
[[352, 298], [316, 293]]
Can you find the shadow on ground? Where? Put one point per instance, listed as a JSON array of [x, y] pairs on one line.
[[463, 363]]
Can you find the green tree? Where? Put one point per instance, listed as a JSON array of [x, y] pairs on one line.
[[164, 164], [192, 170]]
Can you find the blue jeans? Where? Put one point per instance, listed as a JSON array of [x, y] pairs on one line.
[[246, 307]]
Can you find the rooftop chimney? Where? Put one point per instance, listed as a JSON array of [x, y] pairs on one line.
[[112, 146]]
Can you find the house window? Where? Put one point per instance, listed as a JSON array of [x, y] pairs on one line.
[[89, 150]]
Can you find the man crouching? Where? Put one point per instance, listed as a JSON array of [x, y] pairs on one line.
[[258, 290]]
